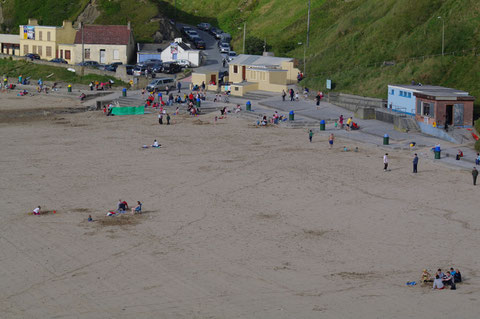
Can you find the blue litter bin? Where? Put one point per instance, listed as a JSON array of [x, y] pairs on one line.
[[124, 92], [291, 116], [249, 106], [386, 139], [322, 125]]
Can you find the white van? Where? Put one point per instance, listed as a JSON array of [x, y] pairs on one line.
[[161, 84]]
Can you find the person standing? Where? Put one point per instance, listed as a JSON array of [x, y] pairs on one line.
[[310, 135], [284, 94], [318, 98], [160, 118], [385, 162], [331, 139], [168, 119], [415, 163], [340, 121], [477, 160], [292, 95], [474, 175], [179, 86]]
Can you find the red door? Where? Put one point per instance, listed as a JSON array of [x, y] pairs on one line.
[[244, 73]]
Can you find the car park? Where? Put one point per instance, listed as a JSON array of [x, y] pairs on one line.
[[58, 60], [32, 56], [160, 84], [204, 26]]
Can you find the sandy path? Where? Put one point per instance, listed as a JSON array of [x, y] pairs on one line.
[[239, 222]]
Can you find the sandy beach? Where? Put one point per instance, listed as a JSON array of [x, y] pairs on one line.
[[238, 222]]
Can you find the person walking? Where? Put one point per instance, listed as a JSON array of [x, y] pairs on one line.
[[310, 135], [284, 94], [474, 175], [385, 162], [331, 139], [415, 163], [160, 118]]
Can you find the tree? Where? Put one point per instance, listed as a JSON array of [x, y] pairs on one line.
[[254, 45]]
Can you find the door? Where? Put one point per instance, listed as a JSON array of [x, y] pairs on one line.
[[102, 56], [244, 73], [449, 115], [213, 79], [458, 114]]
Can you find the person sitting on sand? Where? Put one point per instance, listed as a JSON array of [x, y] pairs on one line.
[[426, 277], [155, 144], [121, 206], [90, 219], [437, 283], [36, 211], [440, 273], [138, 208], [459, 155], [457, 277], [448, 279]]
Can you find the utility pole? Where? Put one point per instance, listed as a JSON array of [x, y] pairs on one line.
[[244, 35], [443, 35], [308, 24], [83, 45], [175, 13]]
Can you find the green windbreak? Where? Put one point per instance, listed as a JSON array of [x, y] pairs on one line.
[[128, 110]]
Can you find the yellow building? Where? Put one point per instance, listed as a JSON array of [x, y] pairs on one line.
[[266, 73], [45, 40]]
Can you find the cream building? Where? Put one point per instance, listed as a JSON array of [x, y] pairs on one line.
[[9, 44], [266, 73], [45, 40], [105, 44]]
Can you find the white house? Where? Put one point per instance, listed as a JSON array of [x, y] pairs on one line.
[[180, 51]]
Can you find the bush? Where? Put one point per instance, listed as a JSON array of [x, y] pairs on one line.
[[477, 145]]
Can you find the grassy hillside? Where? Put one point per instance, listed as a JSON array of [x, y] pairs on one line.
[[346, 36]]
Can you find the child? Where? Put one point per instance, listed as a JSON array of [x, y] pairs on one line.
[[90, 219], [336, 124], [310, 135]]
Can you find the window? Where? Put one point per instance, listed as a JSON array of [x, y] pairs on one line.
[[409, 95], [87, 54], [426, 109], [39, 50], [48, 36], [116, 55], [40, 33], [34, 49], [48, 51], [67, 54], [235, 69], [25, 49], [392, 92]]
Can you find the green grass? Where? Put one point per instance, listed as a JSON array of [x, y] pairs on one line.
[[13, 69]]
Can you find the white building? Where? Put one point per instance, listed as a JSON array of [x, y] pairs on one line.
[[180, 51]]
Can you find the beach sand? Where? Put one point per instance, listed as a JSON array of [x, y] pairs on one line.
[[238, 222]]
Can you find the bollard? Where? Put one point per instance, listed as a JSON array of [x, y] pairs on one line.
[[69, 88], [322, 125], [249, 106], [291, 116], [386, 139], [124, 92]]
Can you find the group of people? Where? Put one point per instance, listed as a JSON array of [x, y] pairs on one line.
[[349, 125], [441, 279], [100, 86], [122, 208]]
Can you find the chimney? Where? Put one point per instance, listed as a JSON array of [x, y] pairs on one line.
[[32, 22], [67, 24]]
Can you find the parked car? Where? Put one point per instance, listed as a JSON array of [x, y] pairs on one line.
[[171, 67], [139, 69], [204, 26], [200, 44], [160, 84], [225, 37], [157, 67], [33, 56], [58, 60], [217, 33], [224, 48], [94, 64], [185, 29], [129, 69], [183, 63], [231, 55], [192, 34]]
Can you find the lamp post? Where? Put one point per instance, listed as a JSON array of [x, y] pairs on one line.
[[304, 58], [244, 34], [443, 35]]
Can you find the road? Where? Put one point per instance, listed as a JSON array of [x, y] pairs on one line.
[[213, 57]]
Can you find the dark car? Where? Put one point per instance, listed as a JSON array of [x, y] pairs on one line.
[[157, 67], [200, 44], [204, 26], [129, 69], [217, 33], [185, 30], [111, 67], [94, 64], [58, 60], [33, 56], [171, 67]]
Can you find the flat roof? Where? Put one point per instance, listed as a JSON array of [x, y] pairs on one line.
[[259, 60], [10, 38], [432, 90]]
